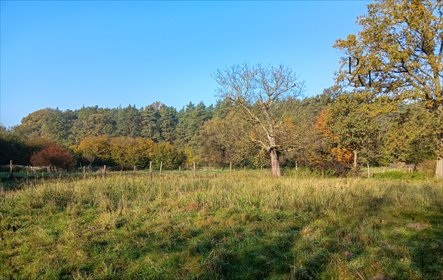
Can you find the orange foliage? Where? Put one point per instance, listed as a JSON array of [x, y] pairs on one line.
[[322, 124], [342, 155], [53, 156]]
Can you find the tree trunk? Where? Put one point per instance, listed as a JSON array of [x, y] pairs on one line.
[[275, 163], [439, 168]]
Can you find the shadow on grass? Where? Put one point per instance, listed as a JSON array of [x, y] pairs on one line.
[[426, 246], [248, 255], [257, 250]]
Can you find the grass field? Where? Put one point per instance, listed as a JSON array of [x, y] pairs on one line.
[[220, 226]]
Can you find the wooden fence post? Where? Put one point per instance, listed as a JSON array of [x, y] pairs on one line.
[[194, 167], [150, 169], [84, 172], [161, 167], [10, 169]]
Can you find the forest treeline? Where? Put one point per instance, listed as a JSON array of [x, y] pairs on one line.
[[385, 106], [331, 131]]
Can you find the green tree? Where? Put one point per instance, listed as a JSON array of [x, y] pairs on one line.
[[52, 124], [36, 124], [127, 122], [222, 108], [150, 123], [399, 53], [93, 121], [408, 135], [167, 123], [191, 119], [352, 123]]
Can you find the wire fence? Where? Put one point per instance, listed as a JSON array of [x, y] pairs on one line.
[[13, 176]]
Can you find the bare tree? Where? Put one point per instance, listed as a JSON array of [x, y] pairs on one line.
[[261, 94]]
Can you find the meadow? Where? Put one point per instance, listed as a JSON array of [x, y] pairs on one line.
[[217, 225]]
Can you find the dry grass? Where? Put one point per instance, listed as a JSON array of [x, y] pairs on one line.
[[218, 226]]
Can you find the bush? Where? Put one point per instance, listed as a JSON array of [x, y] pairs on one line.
[[170, 156], [128, 152], [95, 150], [53, 156], [332, 168]]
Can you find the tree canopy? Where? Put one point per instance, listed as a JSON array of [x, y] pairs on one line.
[[399, 53]]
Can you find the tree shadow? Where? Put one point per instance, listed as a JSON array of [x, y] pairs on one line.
[[263, 254], [426, 246]]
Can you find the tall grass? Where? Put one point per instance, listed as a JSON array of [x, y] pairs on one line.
[[221, 226]]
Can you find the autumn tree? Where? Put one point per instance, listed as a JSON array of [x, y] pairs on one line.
[[52, 124], [399, 53], [259, 93], [408, 135], [168, 155], [95, 149], [330, 140], [352, 123], [128, 152], [53, 156], [222, 140]]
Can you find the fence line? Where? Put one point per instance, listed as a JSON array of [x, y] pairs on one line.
[[21, 173]]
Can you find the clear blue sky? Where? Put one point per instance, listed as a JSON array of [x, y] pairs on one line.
[[110, 54]]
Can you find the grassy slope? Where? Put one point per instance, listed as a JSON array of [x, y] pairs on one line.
[[245, 226]]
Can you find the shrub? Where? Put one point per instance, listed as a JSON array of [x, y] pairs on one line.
[[53, 156], [95, 150], [170, 156], [128, 152]]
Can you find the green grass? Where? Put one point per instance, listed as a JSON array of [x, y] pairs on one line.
[[221, 226], [400, 175]]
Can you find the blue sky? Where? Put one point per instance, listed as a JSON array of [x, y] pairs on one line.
[[73, 54]]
